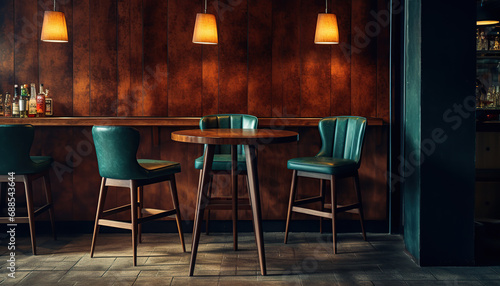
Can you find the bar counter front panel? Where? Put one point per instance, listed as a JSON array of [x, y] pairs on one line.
[[75, 176]]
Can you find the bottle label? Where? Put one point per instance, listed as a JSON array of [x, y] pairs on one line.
[[22, 105], [15, 108], [48, 106], [32, 107], [40, 104]]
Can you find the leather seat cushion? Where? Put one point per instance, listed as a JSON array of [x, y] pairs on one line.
[[324, 165], [222, 162], [158, 168]]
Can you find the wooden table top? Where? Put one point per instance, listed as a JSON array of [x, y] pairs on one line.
[[235, 136]]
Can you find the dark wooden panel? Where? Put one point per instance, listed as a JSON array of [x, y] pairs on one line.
[[341, 61], [286, 59], [7, 38], [210, 71], [80, 156], [136, 59], [103, 68], [26, 41], [260, 57], [315, 64], [363, 59], [155, 21], [233, 56], [383, 53], [184, 60], [56, 62], [81, 58], [125, 100]]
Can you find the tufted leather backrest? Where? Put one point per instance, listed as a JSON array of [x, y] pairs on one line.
[[228, 121], [15, 145], [116, 149], [342, 137]]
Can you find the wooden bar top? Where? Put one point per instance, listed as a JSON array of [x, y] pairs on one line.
[[160, 121]]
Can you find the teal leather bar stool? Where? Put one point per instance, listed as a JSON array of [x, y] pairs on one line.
[[222, 165], [15, 145], [116, 149], [340, 156]]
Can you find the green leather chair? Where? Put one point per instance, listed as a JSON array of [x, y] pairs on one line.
[[340, 156], [116, 150], [15, 145], [222, 165]]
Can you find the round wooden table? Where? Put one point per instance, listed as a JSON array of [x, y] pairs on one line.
[[250, 138]]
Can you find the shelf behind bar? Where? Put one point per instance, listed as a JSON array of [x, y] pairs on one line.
[[161, 121]]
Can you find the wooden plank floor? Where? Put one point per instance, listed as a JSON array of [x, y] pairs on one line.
[[306, 260]]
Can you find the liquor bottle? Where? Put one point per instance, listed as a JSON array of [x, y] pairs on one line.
[[1, 105], [15, 102], [27, 98], [32, 102], [22, 102], [8, 105], [49, 104], [40, 103]]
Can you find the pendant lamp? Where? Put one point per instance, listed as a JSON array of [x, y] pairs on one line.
[[54, 27], [205, 29], [327, 29]]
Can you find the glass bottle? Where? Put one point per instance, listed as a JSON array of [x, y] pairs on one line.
[[1, 105], [8, 105], [23, 102], [49, 104], [40, 103], [15, 102], [32, 102]]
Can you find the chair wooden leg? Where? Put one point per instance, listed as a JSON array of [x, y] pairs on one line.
[[100, 208], [31, 210], [133, 209], [178, 217], [360, 202], [334, 212], [207, 220], [140, 191], [322, 184], [234, 189], [48, 196], [293, 191], [201, 204]]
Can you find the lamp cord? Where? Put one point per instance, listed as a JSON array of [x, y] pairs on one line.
[[54, 5], [326, 9], [205, 6]]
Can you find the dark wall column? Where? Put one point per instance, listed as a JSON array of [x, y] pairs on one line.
[[439, 122]]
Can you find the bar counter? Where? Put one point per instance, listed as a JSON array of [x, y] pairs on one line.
[[160, 121], [75, 176]]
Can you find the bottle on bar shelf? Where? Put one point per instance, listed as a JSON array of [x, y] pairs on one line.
[[23, 102], [49, 104], [1, 105], [32, 102], [15, 102], [40, 103], [7, 105]]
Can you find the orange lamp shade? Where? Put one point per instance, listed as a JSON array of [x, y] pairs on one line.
[[486, 22], [54, 27], [205, 29], [327, 29]]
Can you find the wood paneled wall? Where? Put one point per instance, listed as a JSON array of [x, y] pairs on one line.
[[135, 58]]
